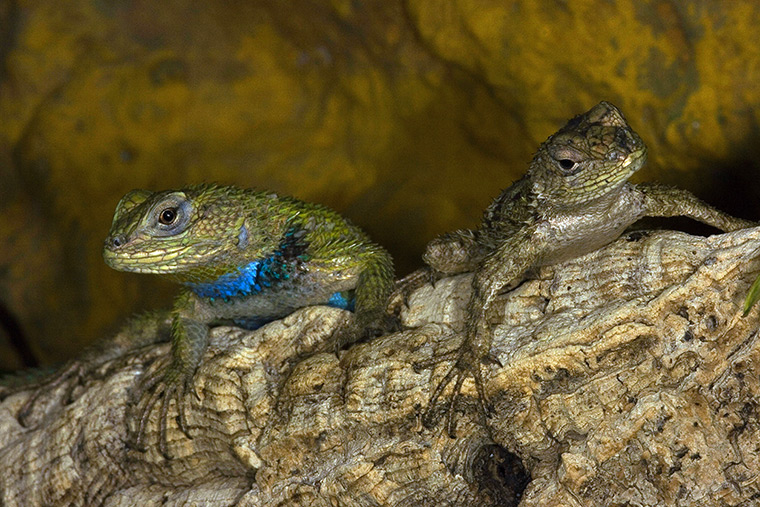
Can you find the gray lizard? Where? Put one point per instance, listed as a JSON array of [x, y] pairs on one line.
[[574, 199]]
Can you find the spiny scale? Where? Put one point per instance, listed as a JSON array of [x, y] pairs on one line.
[[246, 257], [574, 199]]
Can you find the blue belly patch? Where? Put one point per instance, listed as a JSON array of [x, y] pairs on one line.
[[342, 300], [254, 278]]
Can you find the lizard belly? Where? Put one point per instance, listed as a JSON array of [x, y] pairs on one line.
[[286, 296], [572, 243]]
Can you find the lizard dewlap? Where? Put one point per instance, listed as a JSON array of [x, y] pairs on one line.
[[243, 256]]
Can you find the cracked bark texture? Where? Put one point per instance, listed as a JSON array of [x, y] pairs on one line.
[[628, 377]]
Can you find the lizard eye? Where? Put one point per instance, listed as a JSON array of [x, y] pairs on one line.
[[566, 164], [168, 216]]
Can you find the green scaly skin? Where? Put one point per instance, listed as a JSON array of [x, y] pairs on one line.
[[205, 235], [752, 296], [574, 199]]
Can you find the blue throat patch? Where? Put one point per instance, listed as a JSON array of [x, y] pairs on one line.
[[260, 274], [251, 278]]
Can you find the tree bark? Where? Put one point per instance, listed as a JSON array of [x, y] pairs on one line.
[[627, 376]]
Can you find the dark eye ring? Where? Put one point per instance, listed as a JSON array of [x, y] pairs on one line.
[[168, 216], [566, 164]]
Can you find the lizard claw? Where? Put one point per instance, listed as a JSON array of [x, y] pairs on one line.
[[163, 387], [464, 366]]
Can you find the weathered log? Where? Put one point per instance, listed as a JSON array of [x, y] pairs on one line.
[[627, 376]]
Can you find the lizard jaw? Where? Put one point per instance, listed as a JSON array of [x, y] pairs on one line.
[[160, 260]]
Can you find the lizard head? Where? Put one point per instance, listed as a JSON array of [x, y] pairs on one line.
[[591, 156], [182, 233]]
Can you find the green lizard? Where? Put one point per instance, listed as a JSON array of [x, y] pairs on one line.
[[243, 256], [574, 199]]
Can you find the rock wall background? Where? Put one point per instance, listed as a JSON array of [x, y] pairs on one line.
[[407, 116]]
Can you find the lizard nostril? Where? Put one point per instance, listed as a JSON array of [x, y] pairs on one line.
[[117, 241]]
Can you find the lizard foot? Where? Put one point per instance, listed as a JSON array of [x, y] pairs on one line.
[[162, 387], [405, 287], [465, 364]]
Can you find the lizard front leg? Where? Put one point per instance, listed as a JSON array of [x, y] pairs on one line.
[[668, 202], [499, 271], [373, 268], [372, 290], [189, 336], [662, 201], [455, 252], [448, 254]]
